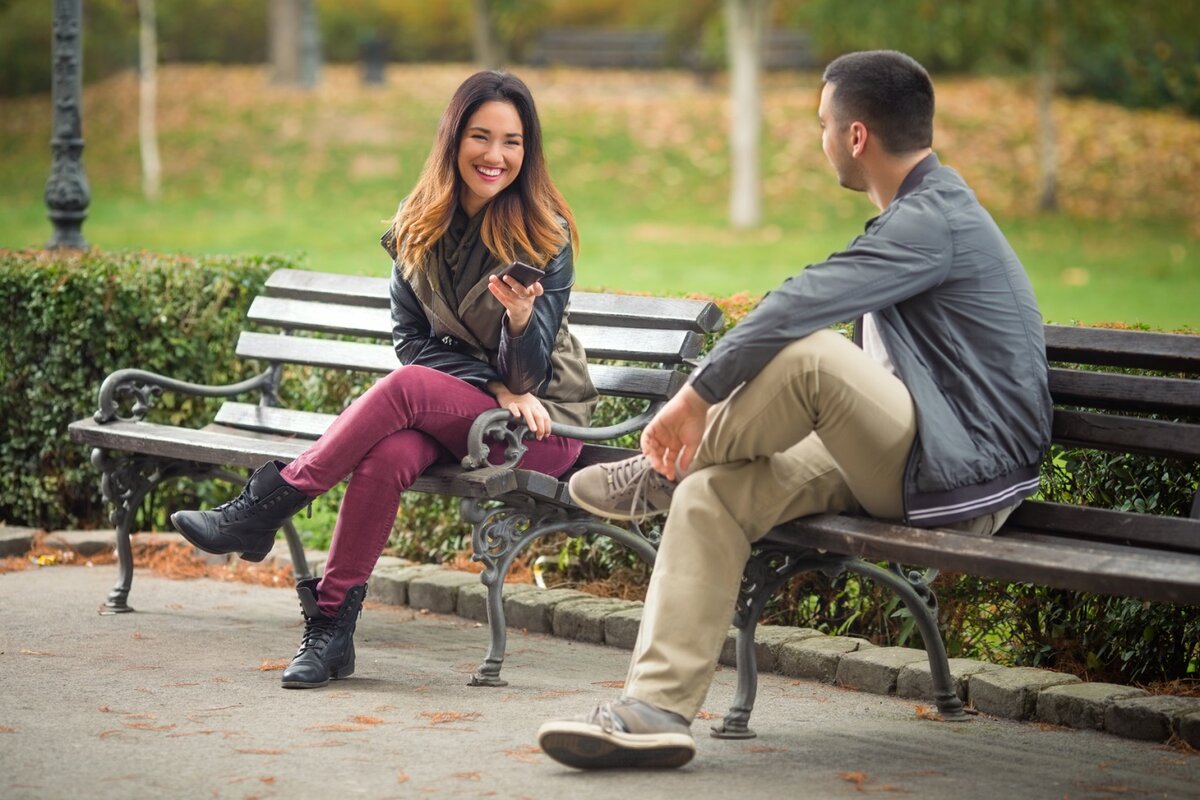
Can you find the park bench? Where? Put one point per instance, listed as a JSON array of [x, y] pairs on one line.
[[650, 339], [606, 48], [1120, 553]]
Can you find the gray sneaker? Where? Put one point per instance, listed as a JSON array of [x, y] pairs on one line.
[[622, 733], [625, 490]]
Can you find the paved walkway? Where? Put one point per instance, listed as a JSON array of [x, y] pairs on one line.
[[171, 702]]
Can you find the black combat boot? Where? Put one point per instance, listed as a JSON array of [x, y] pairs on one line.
[[327, 649], [247, 523]]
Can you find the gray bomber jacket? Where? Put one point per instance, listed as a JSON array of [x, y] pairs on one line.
[[958, 316]]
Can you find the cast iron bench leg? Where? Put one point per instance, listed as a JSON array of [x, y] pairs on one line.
[[498, 535], [300, 570], [767, 571], [921, 602]]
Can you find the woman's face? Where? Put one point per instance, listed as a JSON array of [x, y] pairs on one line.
[[490, 153]]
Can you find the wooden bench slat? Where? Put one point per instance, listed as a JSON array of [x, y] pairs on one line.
[[587, 308], [618, 381], [1126, 434], [1178, 534], [327, 287], [217, 444], [634, 311], [1171, 352], [1124, 392], [267, 419], [1169, 577], [313, 352], [661, 346]]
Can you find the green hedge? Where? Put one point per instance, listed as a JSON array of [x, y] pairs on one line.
[[70, 320]]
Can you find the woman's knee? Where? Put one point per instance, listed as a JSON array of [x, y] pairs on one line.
[[398, 459]]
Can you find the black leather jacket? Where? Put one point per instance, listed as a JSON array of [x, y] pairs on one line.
[[470, 341]]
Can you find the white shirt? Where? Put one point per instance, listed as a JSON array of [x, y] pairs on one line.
[[873, 345]]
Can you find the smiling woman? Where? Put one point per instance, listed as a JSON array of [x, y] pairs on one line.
[[490, 154], [470, 338]]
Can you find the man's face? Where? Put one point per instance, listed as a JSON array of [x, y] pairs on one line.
[[836, 141]]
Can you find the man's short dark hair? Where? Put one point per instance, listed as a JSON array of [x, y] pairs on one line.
[[888, 91]]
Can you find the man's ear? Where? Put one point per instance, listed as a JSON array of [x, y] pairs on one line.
[[858, 139]]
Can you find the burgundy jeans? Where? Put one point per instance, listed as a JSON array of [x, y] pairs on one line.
[[384, 440]]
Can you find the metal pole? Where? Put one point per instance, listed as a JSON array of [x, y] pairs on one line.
[[67, 193]]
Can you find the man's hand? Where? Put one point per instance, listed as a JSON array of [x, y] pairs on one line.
[[523, 406], [672, 437]]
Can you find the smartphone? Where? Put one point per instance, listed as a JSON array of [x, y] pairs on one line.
[[522, 273]]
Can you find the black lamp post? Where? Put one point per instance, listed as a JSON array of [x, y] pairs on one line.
[[67, 193]]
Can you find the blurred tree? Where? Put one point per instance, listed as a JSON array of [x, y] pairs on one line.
[[147, 99], [746, 22], [489, 52], [295, 42]]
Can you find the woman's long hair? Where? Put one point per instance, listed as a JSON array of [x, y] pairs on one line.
[[520, 220]]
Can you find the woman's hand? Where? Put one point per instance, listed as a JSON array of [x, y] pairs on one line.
[[517, 301], [524, 407]]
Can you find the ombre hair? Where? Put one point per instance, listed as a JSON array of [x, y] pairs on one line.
[[521, 221]]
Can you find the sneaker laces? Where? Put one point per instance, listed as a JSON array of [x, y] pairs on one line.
[[603, 716], [640, 478]]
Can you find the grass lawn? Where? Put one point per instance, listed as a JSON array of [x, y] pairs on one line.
[[641, 157]]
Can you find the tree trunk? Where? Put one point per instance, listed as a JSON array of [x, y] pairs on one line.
[[488, 51], [284, 49], [147, 100], [310, 44], [295, 43], [745, 22], [1046, 59]]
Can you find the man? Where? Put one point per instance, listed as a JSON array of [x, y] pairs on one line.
[[940, 419]]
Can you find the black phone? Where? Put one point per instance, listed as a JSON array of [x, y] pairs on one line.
[[522, 273]]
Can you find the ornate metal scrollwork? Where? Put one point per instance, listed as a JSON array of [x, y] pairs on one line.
[[498, 532], [143, 395], [145, 386], [496, 425], [919, 581]]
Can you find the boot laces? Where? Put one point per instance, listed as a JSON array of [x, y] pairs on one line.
[[317, 633], [238, 507]]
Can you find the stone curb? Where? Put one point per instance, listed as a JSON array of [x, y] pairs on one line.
[[1019, 693]]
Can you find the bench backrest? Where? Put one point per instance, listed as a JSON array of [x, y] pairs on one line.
[[653, 336], [1094, 407], [600, 47]]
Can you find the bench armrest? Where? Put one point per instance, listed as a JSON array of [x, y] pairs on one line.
[[498, 424], [144, 386]]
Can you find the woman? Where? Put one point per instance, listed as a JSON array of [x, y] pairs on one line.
[[469, 340]]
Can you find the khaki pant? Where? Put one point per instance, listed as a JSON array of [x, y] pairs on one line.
[[823, 428]]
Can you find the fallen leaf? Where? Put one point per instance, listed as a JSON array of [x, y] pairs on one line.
[[273, 664], [528, 753], [336, 727], [927, 712], [443, 717], [364, 720]]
